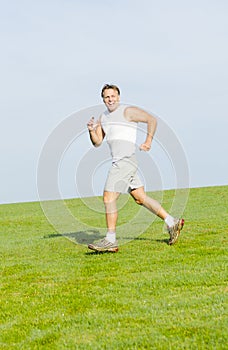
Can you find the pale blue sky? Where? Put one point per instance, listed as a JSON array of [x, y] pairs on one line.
[[169, 57]]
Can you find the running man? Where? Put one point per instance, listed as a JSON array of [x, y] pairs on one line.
[[119, 125]]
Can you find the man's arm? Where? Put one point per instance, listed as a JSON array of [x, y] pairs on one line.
[[96, 132], [138, 115]]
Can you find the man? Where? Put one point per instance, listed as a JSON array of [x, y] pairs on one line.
[[119, 125]]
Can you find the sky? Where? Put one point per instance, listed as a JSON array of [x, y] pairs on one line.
[[168, 57]]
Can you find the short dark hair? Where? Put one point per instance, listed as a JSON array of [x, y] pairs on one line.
[[109, 86]]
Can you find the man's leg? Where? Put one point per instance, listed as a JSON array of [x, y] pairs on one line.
[[174, 226], [111, 213], [109, 243], [151, 204]]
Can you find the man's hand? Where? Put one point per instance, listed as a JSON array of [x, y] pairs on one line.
[[145, 146], [96, 132], [91, 125]]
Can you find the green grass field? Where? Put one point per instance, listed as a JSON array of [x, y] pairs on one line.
[[58, 295]]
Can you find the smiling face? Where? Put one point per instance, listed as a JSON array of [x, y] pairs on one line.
[[111, 99]]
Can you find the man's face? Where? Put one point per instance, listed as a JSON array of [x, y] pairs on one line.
[[111, 99]]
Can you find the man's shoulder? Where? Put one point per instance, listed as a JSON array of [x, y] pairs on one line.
[[130, 111], [131, 108]]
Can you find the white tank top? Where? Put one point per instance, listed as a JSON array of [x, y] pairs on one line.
[[120, 133]]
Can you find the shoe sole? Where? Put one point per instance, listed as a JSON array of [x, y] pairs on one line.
[[180, 226], [103, 250]]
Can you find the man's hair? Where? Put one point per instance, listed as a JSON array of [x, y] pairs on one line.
[[109, 86]]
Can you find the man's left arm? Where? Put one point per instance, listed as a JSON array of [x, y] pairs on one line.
[[138, 115]]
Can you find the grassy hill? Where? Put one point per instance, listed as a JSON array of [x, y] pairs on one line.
[[58, 295]]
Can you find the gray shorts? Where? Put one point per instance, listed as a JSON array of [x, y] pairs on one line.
[[122, 176]]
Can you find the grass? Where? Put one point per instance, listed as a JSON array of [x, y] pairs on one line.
[[57, 295]]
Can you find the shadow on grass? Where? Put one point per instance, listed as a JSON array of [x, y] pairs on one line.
[[146, 239], [80, 237], [86, 237], [99, 253]]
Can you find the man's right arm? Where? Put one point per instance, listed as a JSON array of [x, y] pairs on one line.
[[96, 132]]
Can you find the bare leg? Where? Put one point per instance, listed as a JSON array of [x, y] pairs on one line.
[[151, 204], [111, 212]]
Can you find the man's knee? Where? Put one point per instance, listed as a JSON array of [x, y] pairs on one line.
[[139, 195], [109, 199], [139, 199]]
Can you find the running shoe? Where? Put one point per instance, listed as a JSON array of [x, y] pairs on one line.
[[104, 246], [174, 231]]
